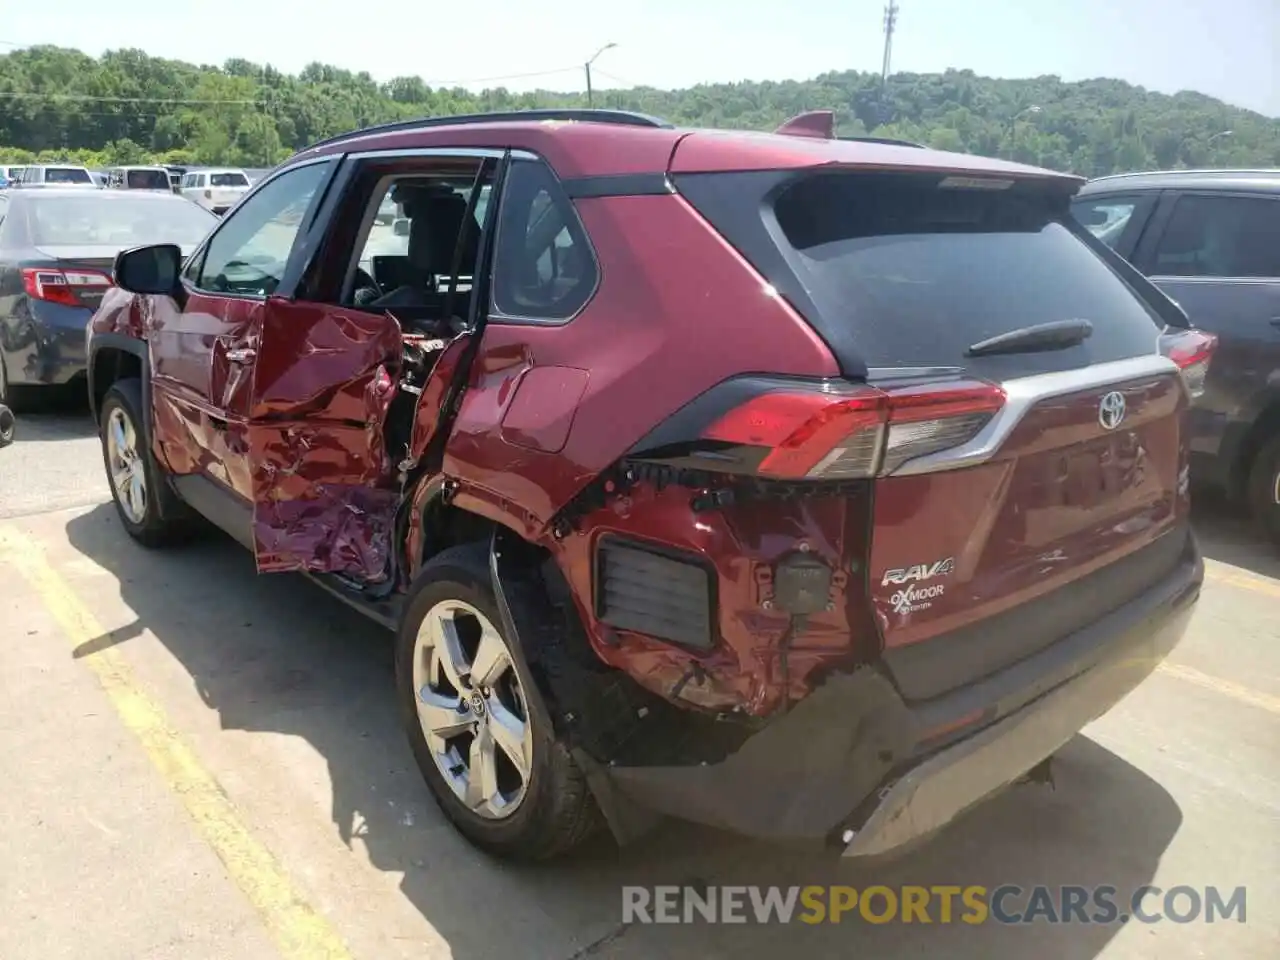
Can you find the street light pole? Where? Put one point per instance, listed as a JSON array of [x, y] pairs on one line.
[[587, 67]]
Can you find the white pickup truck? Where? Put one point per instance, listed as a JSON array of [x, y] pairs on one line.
[[215, 189]]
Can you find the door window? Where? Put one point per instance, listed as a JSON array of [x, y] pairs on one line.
[[1224, 236], [1106, 218], [544, 268], [248, 254]]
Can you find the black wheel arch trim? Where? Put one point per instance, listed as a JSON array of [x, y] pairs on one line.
[[127, 344]]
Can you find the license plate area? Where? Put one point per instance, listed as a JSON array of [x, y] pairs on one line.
[[1089, 476]]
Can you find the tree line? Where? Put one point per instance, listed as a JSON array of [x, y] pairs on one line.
[[129, 107]]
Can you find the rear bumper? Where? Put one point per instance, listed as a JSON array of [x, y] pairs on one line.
[[51, 350], [854, 756]]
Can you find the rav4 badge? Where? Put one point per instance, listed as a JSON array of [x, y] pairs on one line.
[[918, 572]]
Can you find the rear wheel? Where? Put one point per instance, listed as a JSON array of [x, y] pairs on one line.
[[7, 424], [151, 514], [504, 781], [1264, 488]]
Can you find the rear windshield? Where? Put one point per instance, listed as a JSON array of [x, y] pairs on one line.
[[67, 175], [116, 219], [147, 179], [228, 180], [912, 274]]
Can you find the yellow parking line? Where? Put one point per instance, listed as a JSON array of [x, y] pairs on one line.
[[299, 931], [1234, 577], [1235, 691]]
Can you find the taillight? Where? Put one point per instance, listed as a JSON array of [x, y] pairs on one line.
[[1191, 350], [861, 432], [61, 286]]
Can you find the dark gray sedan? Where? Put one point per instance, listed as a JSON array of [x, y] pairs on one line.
[[57, 247]]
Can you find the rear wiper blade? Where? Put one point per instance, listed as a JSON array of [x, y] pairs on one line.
[[1055, 335]]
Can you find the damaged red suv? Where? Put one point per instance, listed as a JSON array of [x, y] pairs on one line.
[[805, 487]]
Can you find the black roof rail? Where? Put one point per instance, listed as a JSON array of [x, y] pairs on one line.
[[887, 140], [621, 117]]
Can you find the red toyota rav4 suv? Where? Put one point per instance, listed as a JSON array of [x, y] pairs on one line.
[[804, 487]]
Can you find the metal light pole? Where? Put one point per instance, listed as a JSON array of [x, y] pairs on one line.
[[1034, 108], [587, 66]]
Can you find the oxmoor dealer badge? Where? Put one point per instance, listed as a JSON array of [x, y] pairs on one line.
[[915, 598]]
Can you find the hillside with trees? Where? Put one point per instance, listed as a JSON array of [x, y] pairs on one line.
[[128, 107]]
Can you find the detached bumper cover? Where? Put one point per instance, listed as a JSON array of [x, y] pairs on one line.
[[854, 756]]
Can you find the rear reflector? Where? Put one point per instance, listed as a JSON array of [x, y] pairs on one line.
[[60, 286], [862, 432], [1191, 350]]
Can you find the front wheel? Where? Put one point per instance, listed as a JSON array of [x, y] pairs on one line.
[[147, 507], [504, 781], [1264, 488]]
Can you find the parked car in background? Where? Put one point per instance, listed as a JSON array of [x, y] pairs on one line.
[[1210, 239], [805, 488], [215, 190], [10, 174], [55, 175], [176, 174], [139, 178], [57, 246]]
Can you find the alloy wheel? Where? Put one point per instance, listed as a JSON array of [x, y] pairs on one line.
[[472, 709], [125, 465]]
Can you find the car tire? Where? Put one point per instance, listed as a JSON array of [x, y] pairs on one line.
[[1264, 488], [8, 425], [548, 812], [148, 508]]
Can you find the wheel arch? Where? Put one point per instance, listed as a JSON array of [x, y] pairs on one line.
[[1264, 425], [112, 357]]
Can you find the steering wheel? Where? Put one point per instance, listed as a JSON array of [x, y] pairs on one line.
[[365, 289]]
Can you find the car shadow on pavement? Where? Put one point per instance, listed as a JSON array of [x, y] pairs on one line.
[[50, 426], [275, 654], [1227, 534]]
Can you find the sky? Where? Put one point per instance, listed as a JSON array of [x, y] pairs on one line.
[[1226, 48]]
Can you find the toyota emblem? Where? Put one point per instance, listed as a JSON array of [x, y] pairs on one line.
[[1111, 410]]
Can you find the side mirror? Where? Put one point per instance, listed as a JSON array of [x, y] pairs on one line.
[[401, 227], [152, 269]]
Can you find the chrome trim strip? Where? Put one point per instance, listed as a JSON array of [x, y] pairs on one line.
[[1025, 392], [394, 153]]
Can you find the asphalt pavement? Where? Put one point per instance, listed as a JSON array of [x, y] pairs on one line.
[[201, 762]]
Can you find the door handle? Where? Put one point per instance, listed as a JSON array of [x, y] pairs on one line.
[[242, 355]]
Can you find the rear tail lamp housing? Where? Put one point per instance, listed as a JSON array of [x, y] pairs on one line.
[[860, 431], [59, 286], [1191, 350]]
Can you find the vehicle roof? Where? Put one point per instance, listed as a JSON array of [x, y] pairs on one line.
[[1266, 181], [106, 196], [138, 166], [578, 148], [53, 163]]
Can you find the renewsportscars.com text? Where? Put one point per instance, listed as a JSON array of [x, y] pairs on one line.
[[1007, 904]]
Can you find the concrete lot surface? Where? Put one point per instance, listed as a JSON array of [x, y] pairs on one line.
[[201, 762]]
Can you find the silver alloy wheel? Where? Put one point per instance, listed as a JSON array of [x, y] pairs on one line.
[[124, 463], [472, 709]]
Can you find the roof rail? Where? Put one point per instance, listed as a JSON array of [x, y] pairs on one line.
[[621, 117], [887, 140]]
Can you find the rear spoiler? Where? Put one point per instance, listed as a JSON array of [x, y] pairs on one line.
[[821, 125]]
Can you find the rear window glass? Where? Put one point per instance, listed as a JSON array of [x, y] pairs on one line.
[[921, 273], [67, 175], [116, 220], [228, 180], [147, 179]]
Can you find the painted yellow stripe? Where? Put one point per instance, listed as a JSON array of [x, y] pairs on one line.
[[1235, 577], [299, 932], [1235, 691]]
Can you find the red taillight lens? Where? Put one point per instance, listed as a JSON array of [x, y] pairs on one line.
[[1191, 350], [864, 432], [61, 286]]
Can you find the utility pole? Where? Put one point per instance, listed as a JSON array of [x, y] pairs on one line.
[[890, 21], [587, 67]]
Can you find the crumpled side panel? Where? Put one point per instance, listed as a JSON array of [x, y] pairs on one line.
[[324, 498]]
